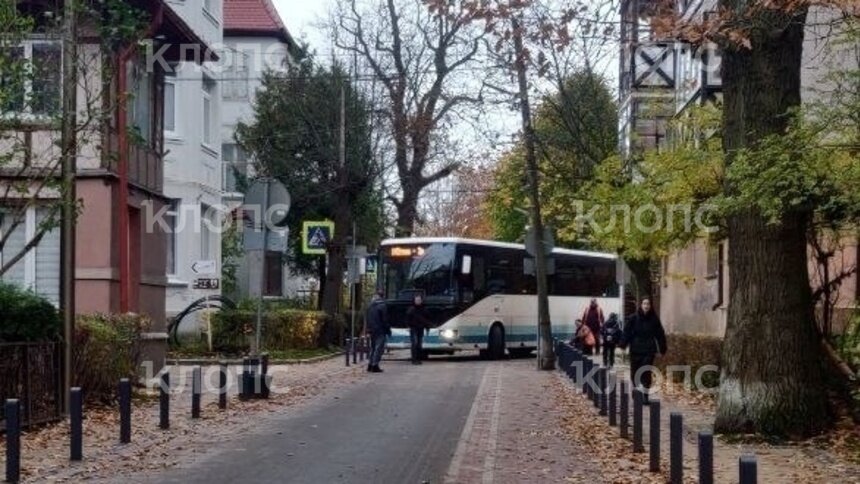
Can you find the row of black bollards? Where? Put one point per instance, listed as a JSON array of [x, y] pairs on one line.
[[600, 385], [356, 348], [13, 411]]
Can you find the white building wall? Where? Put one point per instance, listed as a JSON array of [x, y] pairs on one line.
[[249, 59], [192, 171]]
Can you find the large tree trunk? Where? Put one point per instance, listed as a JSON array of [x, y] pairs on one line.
[[333, 287], [407, 213], [771, 379]]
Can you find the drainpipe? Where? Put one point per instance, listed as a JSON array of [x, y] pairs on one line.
[[122, 165]]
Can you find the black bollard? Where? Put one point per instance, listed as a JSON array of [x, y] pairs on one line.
[[676, 448], [124, 411], [346, 350], [76, 420], [613, 400], [654, 439], [637, 421], [354, 350], [222, 385], [584, 383], [164, 401], [624, 410], [264, 364], [604, 389], [246, 385], [13, 441], [195, 392], [706, 457], [748, 470]]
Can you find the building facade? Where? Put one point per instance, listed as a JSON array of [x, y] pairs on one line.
[[192, 166], [120, 256], [693, 289], [256, 41]]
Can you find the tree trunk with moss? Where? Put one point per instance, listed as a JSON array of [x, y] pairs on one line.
[[771, 379]]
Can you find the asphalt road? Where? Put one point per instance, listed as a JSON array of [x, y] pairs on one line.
[[402, 426]]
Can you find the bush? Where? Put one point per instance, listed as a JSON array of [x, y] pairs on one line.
[[695, 352], [107, 348], [26, 316], [282, 329], [848, 343]]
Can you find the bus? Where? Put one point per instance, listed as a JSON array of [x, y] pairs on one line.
[[481, 297]]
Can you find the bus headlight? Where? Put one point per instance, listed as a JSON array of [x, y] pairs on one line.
[[448, 333]]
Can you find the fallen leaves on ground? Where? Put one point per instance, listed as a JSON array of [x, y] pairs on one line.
[[45, 451]]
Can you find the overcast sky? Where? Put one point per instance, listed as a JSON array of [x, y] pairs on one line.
[[299, 17]]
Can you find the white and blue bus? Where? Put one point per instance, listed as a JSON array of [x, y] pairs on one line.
[[479, 296]]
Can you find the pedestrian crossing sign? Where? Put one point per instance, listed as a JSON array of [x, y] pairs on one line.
[[316, 236]]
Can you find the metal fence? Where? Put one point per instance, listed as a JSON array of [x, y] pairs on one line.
[[30, 372]]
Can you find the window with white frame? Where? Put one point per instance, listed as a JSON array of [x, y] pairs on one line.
[[39, 269], [170, 111], [208, 229], [142, 100], [30, 80], [235, 162], [171, 219], [209, 114], [236, 85]]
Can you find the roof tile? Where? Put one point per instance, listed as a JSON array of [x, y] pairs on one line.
[[253, 16]]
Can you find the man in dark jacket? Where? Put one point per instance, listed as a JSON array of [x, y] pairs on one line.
[[418, 319], [376, 323], [644, 335]]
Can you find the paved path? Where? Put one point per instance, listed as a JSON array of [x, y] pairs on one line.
[[452, 420]]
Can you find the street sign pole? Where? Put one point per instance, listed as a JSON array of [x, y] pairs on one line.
[[263, 211], [352, 292]]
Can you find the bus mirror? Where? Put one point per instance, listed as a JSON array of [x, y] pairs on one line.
[[466, 267]]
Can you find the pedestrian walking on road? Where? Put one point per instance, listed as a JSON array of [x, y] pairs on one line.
[[644, 335], [418, 319], [584, 339], [611, 333], [593, 318], [376, 323]]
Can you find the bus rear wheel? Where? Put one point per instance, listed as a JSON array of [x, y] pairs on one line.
[[496, 343]]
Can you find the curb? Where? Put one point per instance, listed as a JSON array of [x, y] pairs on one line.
[[238, 361]]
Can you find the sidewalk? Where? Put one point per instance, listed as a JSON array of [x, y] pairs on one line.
[[514, 433], [804, 462], [45, 451]]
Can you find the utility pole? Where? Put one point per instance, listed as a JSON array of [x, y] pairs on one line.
[[546, 358], [264, 226], [68, 151]]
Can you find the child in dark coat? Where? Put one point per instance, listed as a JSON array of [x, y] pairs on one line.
[[611, 333]]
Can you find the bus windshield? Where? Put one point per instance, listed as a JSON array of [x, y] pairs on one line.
[[426, 269]]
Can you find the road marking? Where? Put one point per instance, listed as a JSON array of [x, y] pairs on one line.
[[479, 437]]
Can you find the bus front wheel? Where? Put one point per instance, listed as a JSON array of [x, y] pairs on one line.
[[496, 343]]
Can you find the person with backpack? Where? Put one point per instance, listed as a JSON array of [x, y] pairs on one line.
[[593, 318], [644, 335], [583, 338], [611, 334]]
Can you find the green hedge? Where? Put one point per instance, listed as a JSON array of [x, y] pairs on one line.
[[693, 351], [282, 329], [107, 348], [26, 316]]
